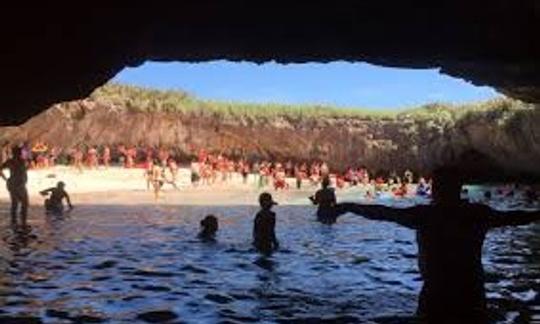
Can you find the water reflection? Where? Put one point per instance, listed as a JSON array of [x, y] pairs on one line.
[[144, 263]]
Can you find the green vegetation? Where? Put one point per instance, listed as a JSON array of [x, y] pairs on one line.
[[139, 99]]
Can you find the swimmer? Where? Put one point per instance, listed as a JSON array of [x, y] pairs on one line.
[[209, 227], [53, 204], [264, 235], [325, 198]]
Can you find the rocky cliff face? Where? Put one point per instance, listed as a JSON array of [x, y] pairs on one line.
[[417, 140]]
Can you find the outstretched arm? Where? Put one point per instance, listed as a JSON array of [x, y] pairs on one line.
[[46, 191], [512, 218], [408, 217]]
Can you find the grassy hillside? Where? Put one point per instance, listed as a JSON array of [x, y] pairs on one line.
[[139, 99]]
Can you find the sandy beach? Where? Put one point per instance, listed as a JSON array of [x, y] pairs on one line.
[[121, 186]]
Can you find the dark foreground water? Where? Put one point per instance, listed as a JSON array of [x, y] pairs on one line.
[[142, 263]]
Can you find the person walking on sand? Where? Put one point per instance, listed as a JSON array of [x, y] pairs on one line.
[[264, 235], [450, 234], [54, 204], [16, 185], [106, 157], [157, 178], [325, 199]]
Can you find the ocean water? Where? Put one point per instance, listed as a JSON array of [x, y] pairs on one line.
[[130, 264]]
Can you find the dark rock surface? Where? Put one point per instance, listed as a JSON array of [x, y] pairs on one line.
[[53, 54]]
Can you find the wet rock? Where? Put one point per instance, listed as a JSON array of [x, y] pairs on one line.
[[157, 316], [220, 299]]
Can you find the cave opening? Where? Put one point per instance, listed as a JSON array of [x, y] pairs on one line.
[[124, 255]]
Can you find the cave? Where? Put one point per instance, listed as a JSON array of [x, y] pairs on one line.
[[62, 53]]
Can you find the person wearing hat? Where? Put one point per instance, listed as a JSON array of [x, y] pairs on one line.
[[264, 235], [209, 227], [53, 204]]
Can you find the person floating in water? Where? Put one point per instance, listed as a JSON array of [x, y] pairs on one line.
[[450, 234], [264, 235], [325, 199], [54, 204], [16, 185], [209, 227]]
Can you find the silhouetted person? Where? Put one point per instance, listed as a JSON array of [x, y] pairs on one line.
[[54, 204], [325, 199], [264, 235], [16, 184], [209, 227], [450, 234]]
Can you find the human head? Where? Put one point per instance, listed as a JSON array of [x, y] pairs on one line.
[[209, 224], [60, 185], [266, 201], [325, 182], [447, 183]]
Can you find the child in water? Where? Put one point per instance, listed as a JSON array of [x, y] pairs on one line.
[[209, 227], [53, 204], [264, 236]]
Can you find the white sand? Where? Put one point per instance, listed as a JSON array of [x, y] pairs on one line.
[[120, 186], [128, 186]]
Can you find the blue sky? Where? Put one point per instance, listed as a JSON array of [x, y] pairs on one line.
[[338, 83]]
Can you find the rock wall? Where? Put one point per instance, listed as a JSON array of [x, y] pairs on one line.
[[507, 136], [60, 53]]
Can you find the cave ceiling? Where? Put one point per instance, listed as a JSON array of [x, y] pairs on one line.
[[54, 54]]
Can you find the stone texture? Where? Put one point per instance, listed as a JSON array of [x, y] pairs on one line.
[[509, 140]]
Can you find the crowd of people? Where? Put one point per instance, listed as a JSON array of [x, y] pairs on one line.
[[161, 167]]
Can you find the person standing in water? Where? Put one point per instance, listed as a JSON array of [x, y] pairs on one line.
[[16, 184], [264, 235], [450, 234], [53, 204], [325, 199]]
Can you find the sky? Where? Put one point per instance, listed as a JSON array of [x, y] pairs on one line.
[[338, 83]]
